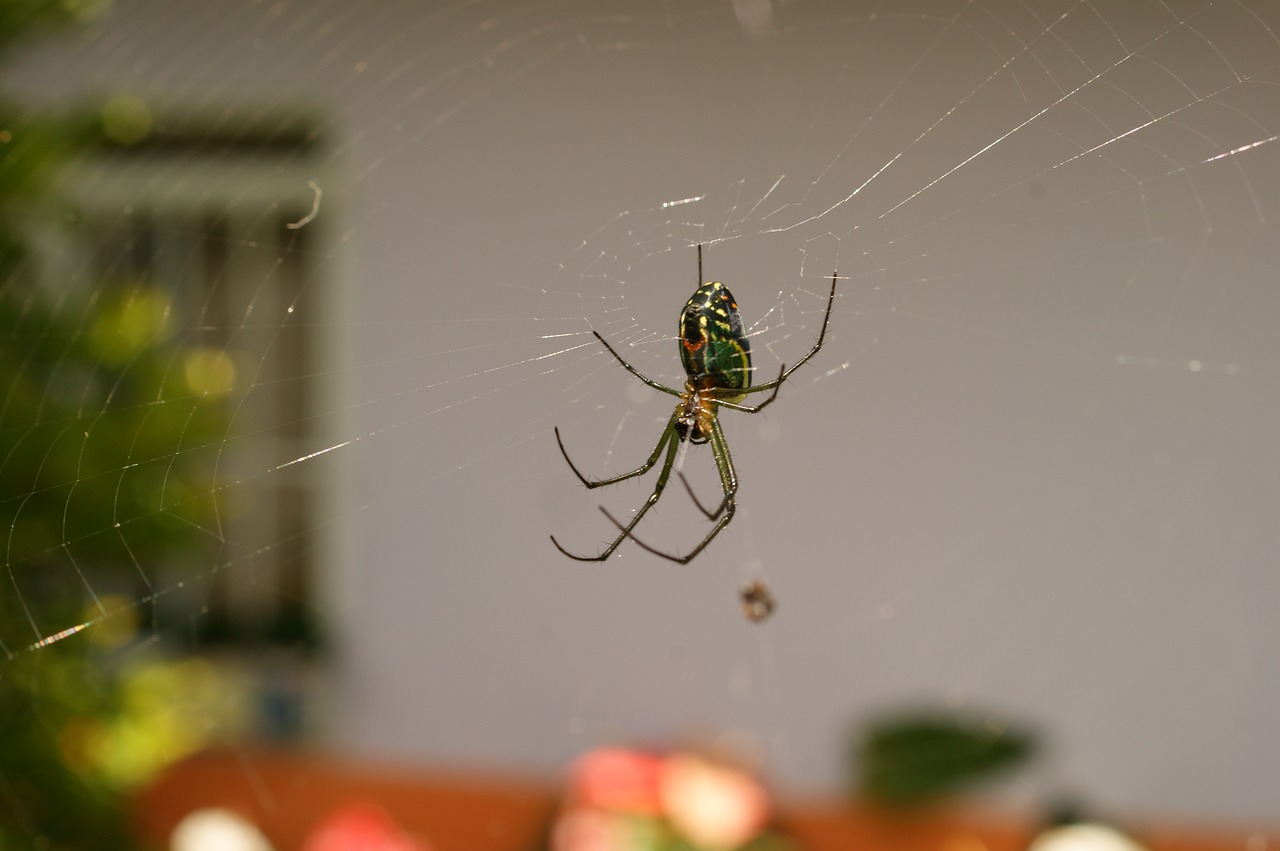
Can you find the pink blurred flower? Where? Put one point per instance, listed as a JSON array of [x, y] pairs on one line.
[[617, 779], [586, 829], [712, 805], [361, 827]]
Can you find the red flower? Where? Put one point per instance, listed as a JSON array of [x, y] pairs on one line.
[[361, 827], [617, 779]]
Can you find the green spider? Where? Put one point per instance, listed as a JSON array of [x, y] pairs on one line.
[[716, 356]]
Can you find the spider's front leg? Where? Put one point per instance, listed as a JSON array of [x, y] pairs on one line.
[[670, 441], [613, 480], [728, 482]]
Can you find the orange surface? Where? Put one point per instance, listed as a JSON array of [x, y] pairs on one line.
[[287, 793]]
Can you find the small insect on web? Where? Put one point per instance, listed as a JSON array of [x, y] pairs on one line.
[[757, 601], [716, 356]]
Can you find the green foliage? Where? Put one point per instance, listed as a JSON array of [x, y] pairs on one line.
[[106, 463], [108, 456], [920, 757], [48, 800], [20, 19]]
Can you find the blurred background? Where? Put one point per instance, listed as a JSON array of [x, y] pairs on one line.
[[293, 294]]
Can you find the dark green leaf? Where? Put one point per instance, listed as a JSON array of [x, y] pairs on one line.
[[922, 756]]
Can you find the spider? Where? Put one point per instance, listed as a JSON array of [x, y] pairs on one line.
[[716, 356]]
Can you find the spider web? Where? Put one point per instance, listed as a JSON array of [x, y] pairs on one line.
[[1035, 465]]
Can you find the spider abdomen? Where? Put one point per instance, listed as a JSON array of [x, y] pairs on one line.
[[714, 349]]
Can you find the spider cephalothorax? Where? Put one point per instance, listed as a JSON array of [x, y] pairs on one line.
[[695, 413], [716, 356]]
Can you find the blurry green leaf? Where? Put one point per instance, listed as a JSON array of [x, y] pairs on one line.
[[23, 18], [126, 119], [919, 757]]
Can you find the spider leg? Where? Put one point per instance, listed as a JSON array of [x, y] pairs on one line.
[[613, 480], [689, 489], [755, 409], [728, 481], [759, 388], [668, 440], [631, 369]]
